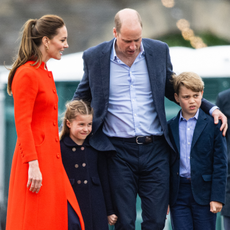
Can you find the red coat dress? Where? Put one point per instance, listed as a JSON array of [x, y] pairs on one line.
[[36, 120]]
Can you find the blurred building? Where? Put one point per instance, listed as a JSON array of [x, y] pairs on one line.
[[90, 22]]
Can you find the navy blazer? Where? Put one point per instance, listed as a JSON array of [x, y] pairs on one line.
[[94, 85], [224, 104], [208, 160]]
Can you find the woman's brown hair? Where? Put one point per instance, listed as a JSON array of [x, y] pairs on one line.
[[32, 33]]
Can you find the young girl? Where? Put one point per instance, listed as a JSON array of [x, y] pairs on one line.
[[85, 167]]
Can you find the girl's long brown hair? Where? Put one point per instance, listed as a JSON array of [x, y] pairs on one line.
[[74, 108]]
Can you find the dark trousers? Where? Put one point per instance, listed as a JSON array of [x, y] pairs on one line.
[[143, 170], [187, 214], [73, 220], [226, 222]]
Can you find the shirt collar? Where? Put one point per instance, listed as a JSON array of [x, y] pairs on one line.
[[114, 56], [69, 142], [195, 116]]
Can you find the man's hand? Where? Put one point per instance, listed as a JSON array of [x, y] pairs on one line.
[[218, 115]]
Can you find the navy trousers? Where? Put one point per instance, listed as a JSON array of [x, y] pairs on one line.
[[226, 222], [187, 214], [144, 170], [73, 220]]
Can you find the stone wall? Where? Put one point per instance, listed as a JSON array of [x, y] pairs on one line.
[[90, 22]]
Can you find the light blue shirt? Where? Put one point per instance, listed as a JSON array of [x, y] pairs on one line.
[[186, 130], [131, 111]]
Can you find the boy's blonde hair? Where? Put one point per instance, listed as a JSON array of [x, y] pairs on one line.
[[190, 80], [74, 108]]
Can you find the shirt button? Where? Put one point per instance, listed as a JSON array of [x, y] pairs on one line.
[[84, 164], [56, 139], [58, 155], [76, 166], [79, 182], [54, 90], [55, 107], [85, 181], [73, 149], [82, 148], [54, 123]]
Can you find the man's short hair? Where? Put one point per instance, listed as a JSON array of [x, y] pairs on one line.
[[118, 22]]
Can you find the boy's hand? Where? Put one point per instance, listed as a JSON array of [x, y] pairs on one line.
[[112, 219], [218, 115], [215, 206]]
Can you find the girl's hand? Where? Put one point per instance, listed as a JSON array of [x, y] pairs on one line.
[[112, 219], [215, 206], [34, 177], [168, 211]]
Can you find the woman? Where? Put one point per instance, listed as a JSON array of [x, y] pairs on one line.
[[39, 189]]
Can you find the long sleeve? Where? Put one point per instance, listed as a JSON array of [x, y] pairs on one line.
[[25, 88]]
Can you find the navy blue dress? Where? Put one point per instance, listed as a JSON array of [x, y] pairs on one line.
[[81, 164]]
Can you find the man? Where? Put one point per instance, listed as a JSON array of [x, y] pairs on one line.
[[224, 104], [126, 80]]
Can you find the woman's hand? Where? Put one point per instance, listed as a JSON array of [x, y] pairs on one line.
[[34, 177]]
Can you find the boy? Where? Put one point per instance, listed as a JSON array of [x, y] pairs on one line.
[[198, 174]]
